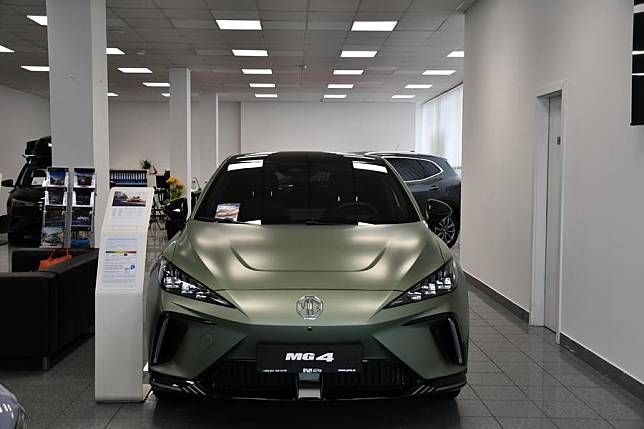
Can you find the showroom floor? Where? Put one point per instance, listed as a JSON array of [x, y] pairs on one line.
[[518, 378]]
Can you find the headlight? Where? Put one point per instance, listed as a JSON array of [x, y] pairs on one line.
[[440, 282], [175, 281]]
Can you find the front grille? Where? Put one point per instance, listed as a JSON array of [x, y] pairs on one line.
[[379, 378], [241, 379]]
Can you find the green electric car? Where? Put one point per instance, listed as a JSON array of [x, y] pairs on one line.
[[307, 275]]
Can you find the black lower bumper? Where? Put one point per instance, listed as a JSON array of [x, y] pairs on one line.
[[240, 379]]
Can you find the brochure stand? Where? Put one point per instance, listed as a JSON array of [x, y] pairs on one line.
[[120, 280], [82, 208], [55, 213]]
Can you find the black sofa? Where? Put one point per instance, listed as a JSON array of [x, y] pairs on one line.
[[41, 312]]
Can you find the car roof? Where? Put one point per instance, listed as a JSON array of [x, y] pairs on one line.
[[404, 154], [309, 156]]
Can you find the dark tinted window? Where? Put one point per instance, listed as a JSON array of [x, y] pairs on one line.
[[429, 168], [409, 169], [334, 192]]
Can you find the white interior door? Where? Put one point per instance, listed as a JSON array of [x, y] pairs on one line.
[[553, 214]]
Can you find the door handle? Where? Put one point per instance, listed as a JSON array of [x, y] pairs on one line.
[[433, 188]]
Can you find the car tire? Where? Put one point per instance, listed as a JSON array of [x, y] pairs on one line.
[[447, 230]]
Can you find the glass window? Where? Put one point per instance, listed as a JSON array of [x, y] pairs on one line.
[[297, 191], [409, 169], [429, 168]]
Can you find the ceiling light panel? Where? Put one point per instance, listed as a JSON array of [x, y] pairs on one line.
[[262, 85], [157, 84], [373, 25], [439, 72], [456, 54], [406, 96], [340, 86], [112, 94], [417, 86], [257, 71], [266, 95], [239, 24], [114, 51], [40, 19], [358, 54], [36, 68], [347, 72], [4, 49], [165, 94], [250, 52], [335, 95], [135, 70]]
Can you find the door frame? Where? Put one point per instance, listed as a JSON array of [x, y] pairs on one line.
[[540, 200]]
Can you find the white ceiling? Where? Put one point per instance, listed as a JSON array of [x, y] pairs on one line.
[[304, 39]]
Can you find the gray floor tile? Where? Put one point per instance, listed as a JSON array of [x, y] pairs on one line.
[[513, 409], [488, 379], [80, 423], [581, 424], [471, 408], [549, 393], [526, 423], [566, 410], [503, 393], [614, 411], [600, 394], [473, 423], [482, 367], [627, 424]]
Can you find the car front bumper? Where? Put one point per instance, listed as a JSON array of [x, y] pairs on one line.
[[210, 350]]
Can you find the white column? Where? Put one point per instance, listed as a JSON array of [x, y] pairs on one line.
[[209, 126], [180, 127], [78, 89]]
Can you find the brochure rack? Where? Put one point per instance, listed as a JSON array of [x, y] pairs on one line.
[[68, 215]]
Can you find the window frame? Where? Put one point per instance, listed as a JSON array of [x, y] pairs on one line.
[[440, 169]]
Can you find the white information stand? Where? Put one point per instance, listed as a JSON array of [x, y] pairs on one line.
[[120, 282]]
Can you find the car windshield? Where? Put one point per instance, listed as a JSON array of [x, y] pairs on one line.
[[308, 190]]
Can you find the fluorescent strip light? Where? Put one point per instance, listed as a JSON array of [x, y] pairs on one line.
[[250, 52], [256, 163], [36, 68], [340, 86], [403, 96], [369, 167], [257, 71], [165, 94], [347, 72], [456, 54], [262, 85], [5, 49], [39, 19], [638, 52], [638, 74], [239, 24], [266, 95], [417, 86], [639, 8], [358, 54], [114, 51], [157, 84], [112, 94], [373, 25], [134, 70], [335, 95], [439, 72]]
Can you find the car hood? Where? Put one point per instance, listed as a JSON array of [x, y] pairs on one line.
[[370, 257]]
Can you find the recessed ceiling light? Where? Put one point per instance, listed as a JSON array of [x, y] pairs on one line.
[[335, 95], [157, 84], [456, 54], [250, 52], [134, 70], [257, 71], [373, 25], [239, 24], [5, 49], [114, 51], [403, 96], [266, 95], [347, 72], [340, 86], [638, 74], [36, 68], [439, 72], [638, 52], [417, 86], [262, 85], [40, 19], [165, 94], [358, 54], [112, 94]]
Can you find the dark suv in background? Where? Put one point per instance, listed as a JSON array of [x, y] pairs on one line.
[[430, 177], [25, 202]]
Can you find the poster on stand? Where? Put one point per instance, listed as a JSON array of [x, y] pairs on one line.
[[53, 236], [129, 207]]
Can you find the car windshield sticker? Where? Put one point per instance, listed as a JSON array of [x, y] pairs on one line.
[[227, 211]]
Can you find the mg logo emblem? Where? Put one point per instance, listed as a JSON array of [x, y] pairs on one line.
[[309, 307]]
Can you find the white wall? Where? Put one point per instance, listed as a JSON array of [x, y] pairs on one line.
[[327, 126], [513, 48], [22, 117]]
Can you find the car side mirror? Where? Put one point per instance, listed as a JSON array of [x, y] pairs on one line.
[[7, 183], [176, 212], [435, 211]]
